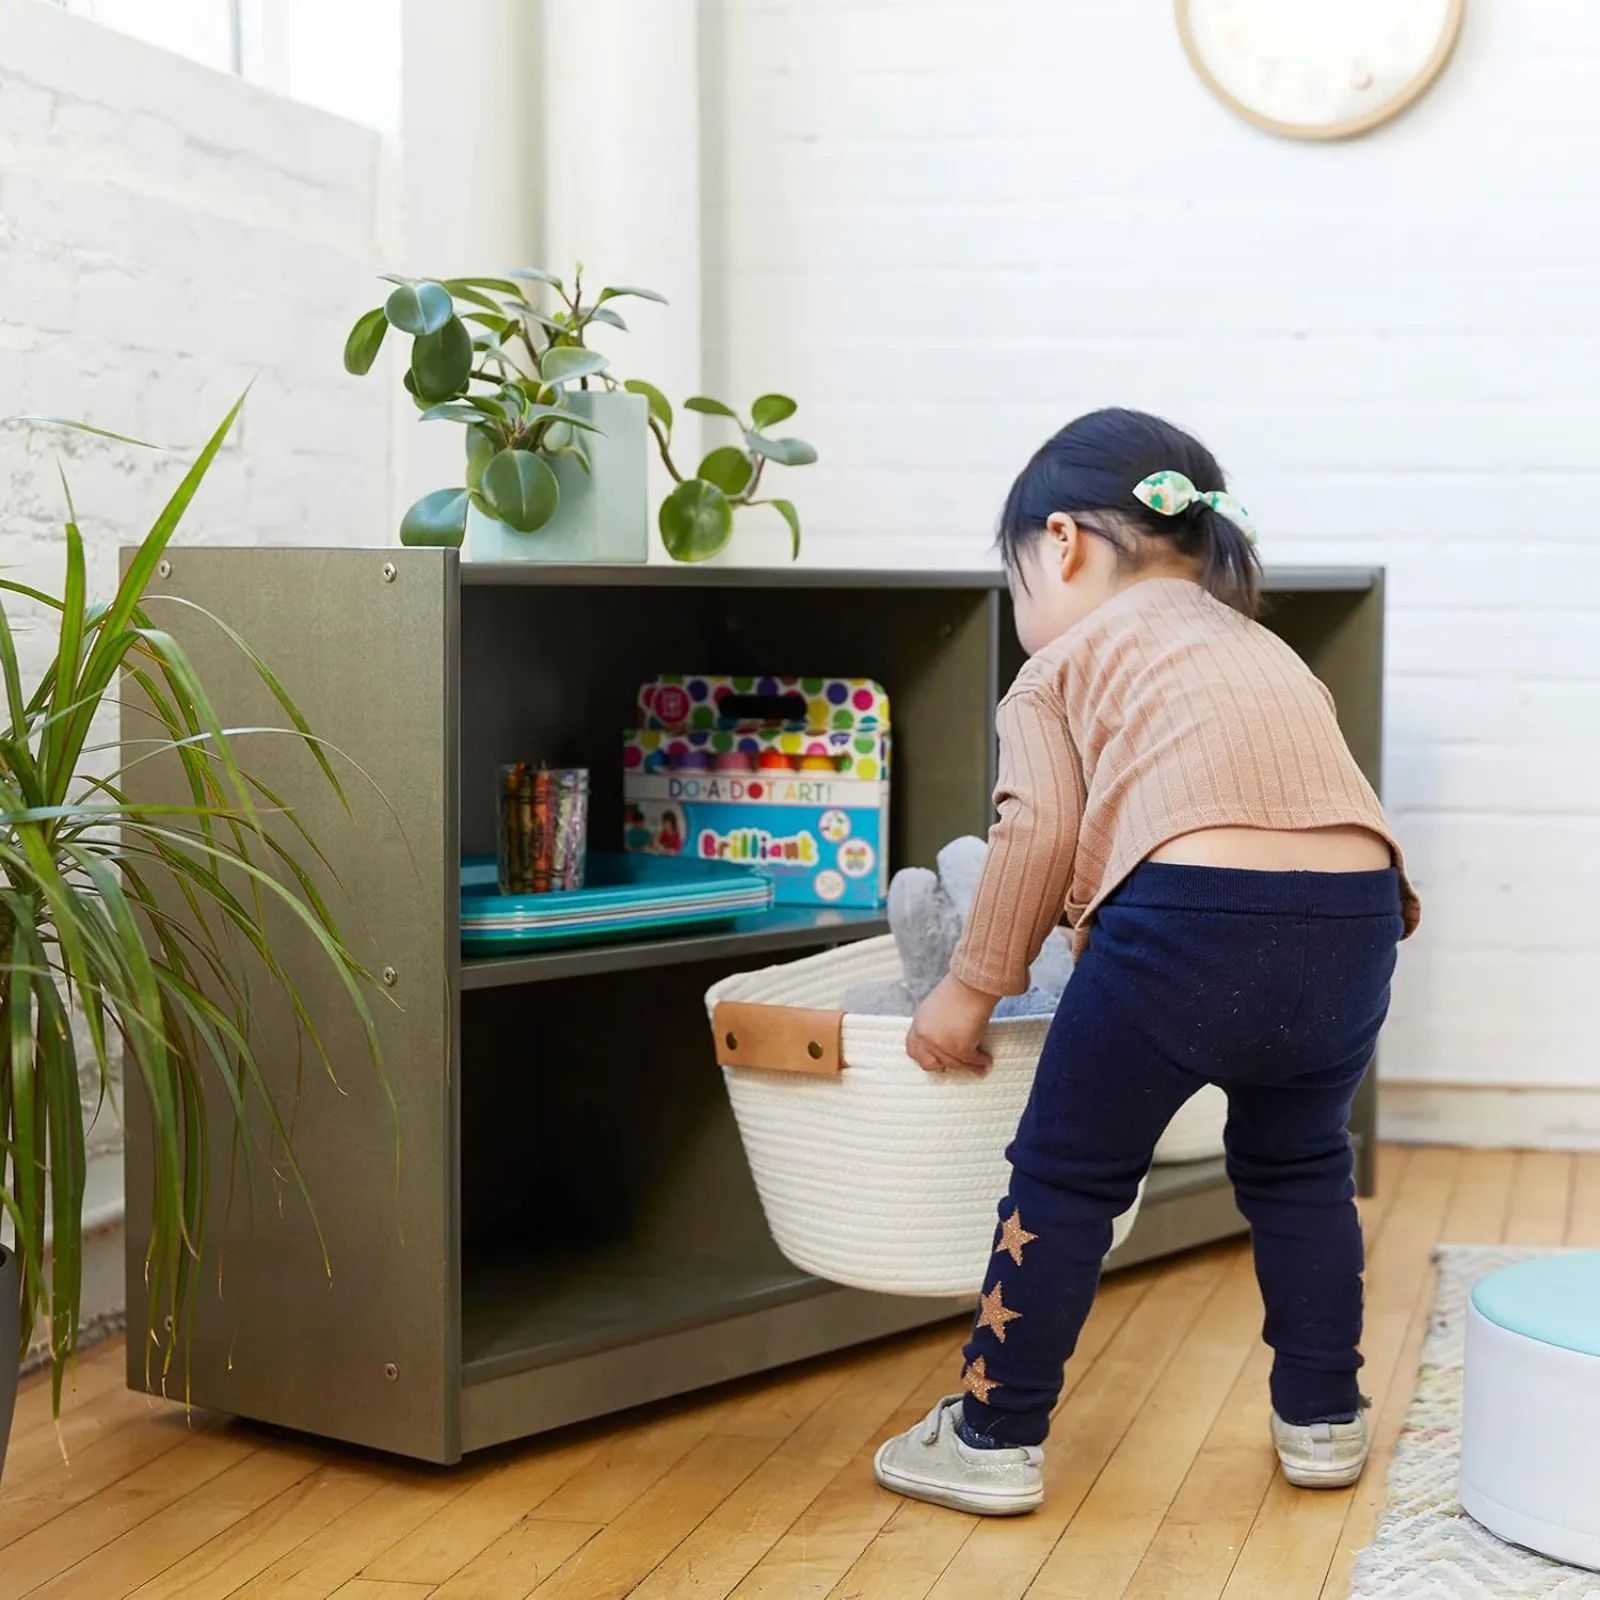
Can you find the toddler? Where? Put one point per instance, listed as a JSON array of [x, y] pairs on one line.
[[1173, 781]]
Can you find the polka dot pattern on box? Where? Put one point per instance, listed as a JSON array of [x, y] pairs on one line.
[[675, 700], [855, 756]]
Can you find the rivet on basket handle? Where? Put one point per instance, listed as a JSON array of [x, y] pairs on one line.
[[779, 1038]]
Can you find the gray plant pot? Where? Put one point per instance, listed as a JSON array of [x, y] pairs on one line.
[[10, 1354], [604, 513]]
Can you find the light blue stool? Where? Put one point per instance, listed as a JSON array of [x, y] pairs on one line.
[[1530, 1425]]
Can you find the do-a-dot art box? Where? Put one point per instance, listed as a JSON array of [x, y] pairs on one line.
[[790, 775]]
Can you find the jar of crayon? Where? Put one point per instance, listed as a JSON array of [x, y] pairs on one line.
[[543, 827]]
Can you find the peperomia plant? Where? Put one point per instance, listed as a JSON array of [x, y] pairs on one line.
[[696, 519], [508, 379]]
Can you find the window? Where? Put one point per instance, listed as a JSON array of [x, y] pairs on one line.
[[202, 30], [340, 55]]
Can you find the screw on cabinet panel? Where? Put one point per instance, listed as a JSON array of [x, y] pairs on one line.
[[390, 976], [391, 1372], [163, 569], [390, 572]]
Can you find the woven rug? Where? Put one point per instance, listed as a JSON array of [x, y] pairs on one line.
[[1427, 1547]]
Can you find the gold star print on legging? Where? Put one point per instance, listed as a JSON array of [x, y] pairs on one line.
[[994, 1314], [978, 1383], [1013, 1236]]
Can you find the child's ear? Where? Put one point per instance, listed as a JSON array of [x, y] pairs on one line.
[[1068, 544]]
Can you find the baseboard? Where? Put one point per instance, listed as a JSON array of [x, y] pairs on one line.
[[1489, 1117]]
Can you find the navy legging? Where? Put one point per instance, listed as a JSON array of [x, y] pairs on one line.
[[1273, 985]]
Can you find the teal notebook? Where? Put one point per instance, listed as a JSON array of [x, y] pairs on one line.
[[624, 895]]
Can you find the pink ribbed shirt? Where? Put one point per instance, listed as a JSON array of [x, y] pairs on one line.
[[1162, 713]]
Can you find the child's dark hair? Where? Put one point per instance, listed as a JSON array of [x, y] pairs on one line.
[[1089, 471]]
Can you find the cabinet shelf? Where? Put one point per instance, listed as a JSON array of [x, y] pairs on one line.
[[529, 1305], [526, 1308], [785, 930], [537, 574]]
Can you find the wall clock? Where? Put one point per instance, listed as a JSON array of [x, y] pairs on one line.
[[1319, 69]]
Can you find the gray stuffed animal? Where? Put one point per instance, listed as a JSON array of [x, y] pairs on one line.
[[927, 912]]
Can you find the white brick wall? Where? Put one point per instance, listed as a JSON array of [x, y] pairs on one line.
[[949, 227], [167, 235]]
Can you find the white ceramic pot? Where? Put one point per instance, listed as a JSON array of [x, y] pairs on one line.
[[604, 514]]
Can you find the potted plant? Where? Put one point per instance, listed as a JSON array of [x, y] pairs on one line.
[[555, 443], [555, 464], [92, 961]]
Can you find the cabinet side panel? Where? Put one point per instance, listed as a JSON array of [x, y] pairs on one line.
[[366, 1349], [1340, 636]]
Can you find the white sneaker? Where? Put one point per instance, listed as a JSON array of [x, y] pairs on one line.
[[932, 1462], [1322, 1455]]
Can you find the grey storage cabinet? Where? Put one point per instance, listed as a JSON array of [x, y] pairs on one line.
[[554, 1218]]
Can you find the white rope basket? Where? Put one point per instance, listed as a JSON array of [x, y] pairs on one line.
[[872, 1172]]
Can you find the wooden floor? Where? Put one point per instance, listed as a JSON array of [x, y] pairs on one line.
[[1161, 1482]]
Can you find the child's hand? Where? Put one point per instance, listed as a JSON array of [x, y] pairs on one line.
[[947, 1033]]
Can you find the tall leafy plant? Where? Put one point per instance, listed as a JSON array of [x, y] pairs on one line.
[[143, 925], [502, 355]]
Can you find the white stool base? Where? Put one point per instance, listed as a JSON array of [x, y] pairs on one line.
[[1530, 1442], [1576, 1549]]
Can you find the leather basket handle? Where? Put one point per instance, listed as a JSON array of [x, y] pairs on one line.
[[779, 1038]]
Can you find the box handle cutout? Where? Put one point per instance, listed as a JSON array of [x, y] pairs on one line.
[[762, 708]]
